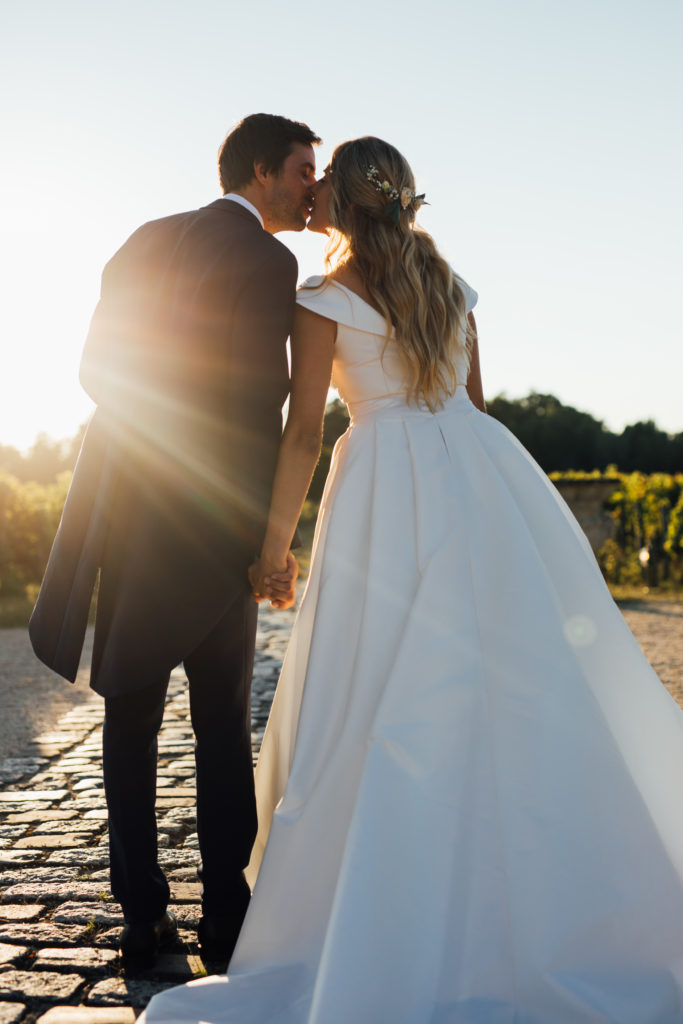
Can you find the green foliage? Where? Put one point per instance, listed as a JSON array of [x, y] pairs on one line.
[[674, 533], [562, 438], [44, 461], [29, 517], [336, 422], [648, 512]]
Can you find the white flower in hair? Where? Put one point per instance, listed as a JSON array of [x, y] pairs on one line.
[[399, 200]]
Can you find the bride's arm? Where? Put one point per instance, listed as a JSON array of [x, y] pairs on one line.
[[313, 339], [474, 386]]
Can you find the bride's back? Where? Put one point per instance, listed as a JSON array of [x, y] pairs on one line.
[[368, 369]]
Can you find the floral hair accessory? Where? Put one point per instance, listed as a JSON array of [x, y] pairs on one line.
[[398, 200]]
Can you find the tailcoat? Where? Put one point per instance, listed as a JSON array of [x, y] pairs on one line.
[[186, 360]]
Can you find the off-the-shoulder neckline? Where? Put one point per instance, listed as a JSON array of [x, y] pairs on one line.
[[331, 280]]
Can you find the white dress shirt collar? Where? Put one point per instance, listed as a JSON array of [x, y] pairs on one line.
[[246, 204]]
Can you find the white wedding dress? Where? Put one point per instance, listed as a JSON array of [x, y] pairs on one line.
[[471, 781]]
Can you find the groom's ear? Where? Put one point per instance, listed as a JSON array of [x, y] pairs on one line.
[[260, 171]]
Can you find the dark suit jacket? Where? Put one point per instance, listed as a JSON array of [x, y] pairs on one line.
[[186, 360]]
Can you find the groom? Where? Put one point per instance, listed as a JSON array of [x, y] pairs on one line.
[[187, 363]]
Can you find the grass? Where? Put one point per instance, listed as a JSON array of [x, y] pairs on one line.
[[15, 610], [626, 593]]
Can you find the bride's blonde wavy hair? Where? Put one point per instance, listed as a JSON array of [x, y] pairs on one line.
[[406, 277]]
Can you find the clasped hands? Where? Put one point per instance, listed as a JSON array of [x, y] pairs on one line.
[[273, 582]]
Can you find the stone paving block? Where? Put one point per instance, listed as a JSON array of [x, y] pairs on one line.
[[48, 985], [31, 795], [71, 890], [185, 892], [109, 938], [45, 815], [51, 842], [9, 953], [188, 815], [125, 991], [172, 830], [87, 1015], [11, 1013], [179, 967], [42, 933], [50, 780], [77, 757], [178, 858], [45, 749], [96, 874], [22, 806], [83, 959], [52, 827], [23, 765], [187, 914], [82, 857], [33, 876], [78, 767], [85, 913], [97, 814], [8, 858], [78, 774], [9, 833], [182, 793], [182, 874], [9, 775], [58, 738], [91, 804], [175, 801], [89, 782], [20, 911]]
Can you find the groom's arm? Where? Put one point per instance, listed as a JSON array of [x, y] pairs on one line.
[[114, 333], [259, 324]]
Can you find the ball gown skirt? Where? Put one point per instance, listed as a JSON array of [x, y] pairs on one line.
[[471, 781]]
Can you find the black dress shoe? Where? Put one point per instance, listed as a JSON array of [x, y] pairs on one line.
[[140, 943], [218, 936]]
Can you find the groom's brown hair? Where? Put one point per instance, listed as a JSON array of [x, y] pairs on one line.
[[259, 137]]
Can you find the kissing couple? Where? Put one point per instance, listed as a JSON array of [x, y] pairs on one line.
[[463, 811]]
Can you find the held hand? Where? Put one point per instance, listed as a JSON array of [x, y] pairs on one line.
[[270, 580]]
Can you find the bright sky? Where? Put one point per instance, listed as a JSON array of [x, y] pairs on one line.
[[546, 134]]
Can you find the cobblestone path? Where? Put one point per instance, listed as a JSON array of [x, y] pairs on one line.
[[58, 924]]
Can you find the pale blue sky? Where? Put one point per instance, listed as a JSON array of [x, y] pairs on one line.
[[546, 135]]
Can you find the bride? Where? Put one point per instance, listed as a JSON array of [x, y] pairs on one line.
[[469, 788]]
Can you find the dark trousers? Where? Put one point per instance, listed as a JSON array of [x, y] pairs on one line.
[[219, 672]]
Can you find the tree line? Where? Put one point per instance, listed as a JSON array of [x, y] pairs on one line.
[[559, 437], [562, 438]]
